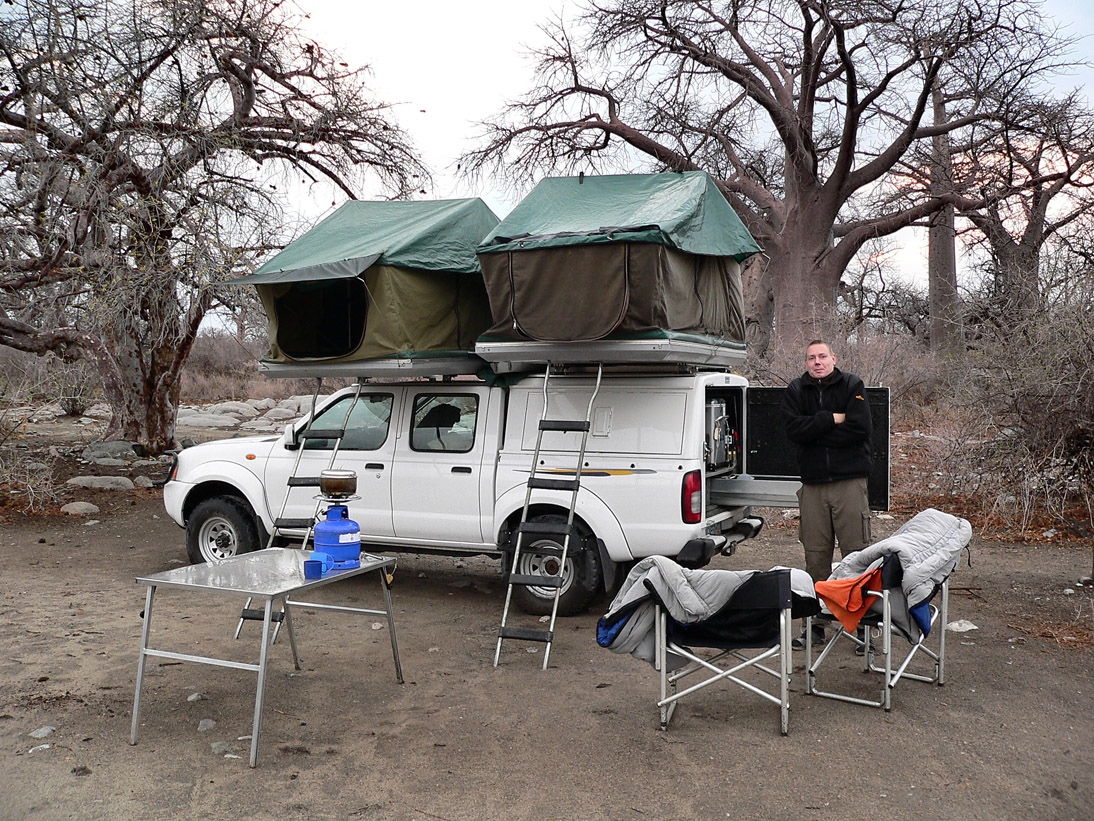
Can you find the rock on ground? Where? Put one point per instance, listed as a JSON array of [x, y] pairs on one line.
[[102, 482]]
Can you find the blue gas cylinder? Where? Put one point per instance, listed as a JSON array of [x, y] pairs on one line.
[[340, 537]]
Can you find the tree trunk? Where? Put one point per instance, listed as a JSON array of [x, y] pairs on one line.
[[805, 283], [141, 381], [945, 327], [759, 305], [1017, 277]]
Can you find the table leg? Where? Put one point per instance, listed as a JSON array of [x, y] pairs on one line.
[[145, 629], [391, 625], [287, 619], [263, 658]]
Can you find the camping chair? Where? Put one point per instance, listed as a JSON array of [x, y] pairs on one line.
[[881, 626], [757, 617]]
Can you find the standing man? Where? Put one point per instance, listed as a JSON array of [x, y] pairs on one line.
[[827, 418]]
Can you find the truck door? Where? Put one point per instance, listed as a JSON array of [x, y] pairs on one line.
[[367, 448], [437, 483], [769, 455]]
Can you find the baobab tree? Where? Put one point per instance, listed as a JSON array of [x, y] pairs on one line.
[[800, 109]]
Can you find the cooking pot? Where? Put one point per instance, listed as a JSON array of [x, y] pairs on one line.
[[337, 483]]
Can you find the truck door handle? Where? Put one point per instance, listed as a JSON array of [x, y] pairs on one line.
[[461, 469], [374, 466]]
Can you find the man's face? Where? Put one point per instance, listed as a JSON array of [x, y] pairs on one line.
[[819, 361]]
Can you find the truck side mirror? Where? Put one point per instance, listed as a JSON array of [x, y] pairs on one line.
[[288, 439]]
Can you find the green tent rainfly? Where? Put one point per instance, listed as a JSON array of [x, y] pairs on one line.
[[618, 257], [377, 280]]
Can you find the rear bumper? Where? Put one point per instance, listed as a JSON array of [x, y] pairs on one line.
[[699, 552]]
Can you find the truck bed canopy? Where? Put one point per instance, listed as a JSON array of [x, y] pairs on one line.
[[378, 280], [618, 257]]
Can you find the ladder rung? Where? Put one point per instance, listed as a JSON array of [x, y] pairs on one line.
[[293, 523], [545, 528], [328, 433], [563, 424], [251, 614], [303, 481], [535, 581], [525, 635], [553, 484]]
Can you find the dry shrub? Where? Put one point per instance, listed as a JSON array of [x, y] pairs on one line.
[[895, 361], [29, 483], [221, 367]]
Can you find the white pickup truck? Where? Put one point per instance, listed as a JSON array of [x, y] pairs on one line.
[[443, 467]]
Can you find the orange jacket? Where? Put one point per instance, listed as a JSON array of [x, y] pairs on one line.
[[847, 598]]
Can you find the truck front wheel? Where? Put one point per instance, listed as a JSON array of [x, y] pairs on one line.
[[219, 528], [580, 575]]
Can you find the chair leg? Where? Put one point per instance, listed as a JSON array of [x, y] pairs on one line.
[[784, 670], [943, 619]]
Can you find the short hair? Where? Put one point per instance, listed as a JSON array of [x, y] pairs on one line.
[[818, 342]]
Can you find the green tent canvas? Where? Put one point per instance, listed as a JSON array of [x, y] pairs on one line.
[[618, 257], [378, 280]]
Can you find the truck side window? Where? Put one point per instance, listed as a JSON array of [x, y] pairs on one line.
[[366, 429], [444, 422]]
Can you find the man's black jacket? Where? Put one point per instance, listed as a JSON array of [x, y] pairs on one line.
[[828, 452]]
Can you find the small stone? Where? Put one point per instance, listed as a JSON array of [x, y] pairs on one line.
[[38, 749], [196, 697], [80, 509], [42, 732], [142, 481], [81, 770], [206, 724], [222, 747], [1068, 591], [376, 625]]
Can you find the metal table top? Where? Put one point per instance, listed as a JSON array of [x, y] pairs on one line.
[[271, 573]]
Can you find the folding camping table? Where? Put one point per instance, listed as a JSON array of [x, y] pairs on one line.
[[273, 575]]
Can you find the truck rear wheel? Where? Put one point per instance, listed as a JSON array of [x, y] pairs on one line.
[[581, 574], [219, 528]]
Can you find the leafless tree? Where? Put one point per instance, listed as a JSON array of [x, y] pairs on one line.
[[799, 108], [144, 151], [1046, 162]]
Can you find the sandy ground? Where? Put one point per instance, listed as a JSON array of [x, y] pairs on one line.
[[1009, 736]]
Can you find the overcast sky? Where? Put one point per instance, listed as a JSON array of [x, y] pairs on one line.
[[446, 65]]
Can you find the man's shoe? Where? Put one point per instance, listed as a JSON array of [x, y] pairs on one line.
[[818, 638], [860, 649]]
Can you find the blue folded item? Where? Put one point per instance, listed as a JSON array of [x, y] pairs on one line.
[[606, 631], [922, 615]]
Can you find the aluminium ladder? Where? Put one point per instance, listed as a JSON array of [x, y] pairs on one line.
[[281, 523], [526, 528]]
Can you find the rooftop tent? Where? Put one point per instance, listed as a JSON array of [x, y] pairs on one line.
[[376, 280], [618, 257]]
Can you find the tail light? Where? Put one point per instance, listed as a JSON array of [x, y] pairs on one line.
[[691, 497]]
